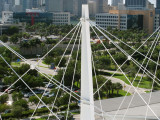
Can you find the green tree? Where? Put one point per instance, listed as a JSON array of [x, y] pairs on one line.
[[109, 87], [131, 71], [23, 103], [100, 81], [3, 107], [63, 100], [48, 60], [17, 111], [23, 68], [14, 38], [4, 38], [3, 98], [17, 96], [156, 83], [62, 63], [118, 87], [34, 99], [120, 58], [12, 30]]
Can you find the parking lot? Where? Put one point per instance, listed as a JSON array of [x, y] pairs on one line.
[[27, 93]]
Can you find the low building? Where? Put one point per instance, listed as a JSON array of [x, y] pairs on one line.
[[7, 17], [122, 22], [127, 19], [33, 16], [4, 27], [61, 18], [8, 21], [133, 107]]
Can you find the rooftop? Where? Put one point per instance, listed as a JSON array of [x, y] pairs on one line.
[[137, 108]]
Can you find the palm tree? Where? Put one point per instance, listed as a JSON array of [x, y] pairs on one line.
[[118, 87], [32, 44], [108, 87], [113, 87]]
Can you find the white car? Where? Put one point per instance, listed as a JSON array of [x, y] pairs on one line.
[[51, 95], [43, 106], [46, 94]]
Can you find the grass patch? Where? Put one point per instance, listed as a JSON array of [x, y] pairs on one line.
[[114, 95], [76, 113], [43, 67], [77, 84], [41, 119], [45, 63], [16, 64], [147, 91], [143, 84]]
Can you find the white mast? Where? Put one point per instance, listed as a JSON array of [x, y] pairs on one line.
[[87, 106]]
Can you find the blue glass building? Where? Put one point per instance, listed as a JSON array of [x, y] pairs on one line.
[[136, 4], [32, 18]]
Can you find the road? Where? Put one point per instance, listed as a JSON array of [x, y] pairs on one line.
[[42, 67]]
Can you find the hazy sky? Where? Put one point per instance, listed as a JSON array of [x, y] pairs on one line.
[[152, 1]]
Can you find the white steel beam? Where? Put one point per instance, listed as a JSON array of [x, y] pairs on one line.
[[87, 104]]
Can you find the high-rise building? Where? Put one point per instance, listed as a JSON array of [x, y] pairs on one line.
[[26, 4], [1, 6], [54, 5], [84, 1], [35, 3], [7, 7], [75, 7], [115, 2], [101, 4], [92, 8], [158, 4], [136, 4], [11, 2], [68, 6]]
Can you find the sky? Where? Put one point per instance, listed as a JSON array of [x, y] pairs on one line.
[[152, 1]]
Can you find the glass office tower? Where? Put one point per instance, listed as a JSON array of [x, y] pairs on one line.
[[136, 4]]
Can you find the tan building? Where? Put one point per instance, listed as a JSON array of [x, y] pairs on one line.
[[148, 17]]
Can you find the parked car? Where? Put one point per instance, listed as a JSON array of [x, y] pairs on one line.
[[38, 91], [46, 94], [45, 83], [50, 86], [28, 95], [51, 95], [43, 106]]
